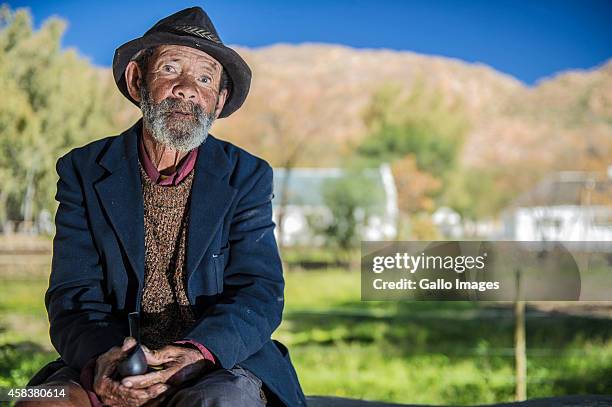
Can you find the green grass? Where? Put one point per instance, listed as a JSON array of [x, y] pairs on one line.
[[433, 352], [411, 352], [24, 340], [23, 297]]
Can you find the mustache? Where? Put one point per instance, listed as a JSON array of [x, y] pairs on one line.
[[171, 105]]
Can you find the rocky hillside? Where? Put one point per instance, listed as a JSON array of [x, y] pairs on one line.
[[329, 86]]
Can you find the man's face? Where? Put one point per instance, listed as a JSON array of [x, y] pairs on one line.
[[180, 96]]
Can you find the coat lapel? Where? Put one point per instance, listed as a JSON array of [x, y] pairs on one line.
[[120, 194], [211, 196]]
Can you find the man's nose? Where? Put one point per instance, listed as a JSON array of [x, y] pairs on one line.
[[185, 89]]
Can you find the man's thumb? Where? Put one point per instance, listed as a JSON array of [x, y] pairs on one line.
[[128, 343], [154, 357]]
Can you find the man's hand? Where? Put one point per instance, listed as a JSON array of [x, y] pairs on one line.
[[113, 393], [179, 364]]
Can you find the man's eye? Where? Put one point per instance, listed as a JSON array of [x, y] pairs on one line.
[[205, 79], [168, 68]]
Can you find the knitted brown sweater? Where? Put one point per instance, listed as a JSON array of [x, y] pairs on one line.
[[165, 310]]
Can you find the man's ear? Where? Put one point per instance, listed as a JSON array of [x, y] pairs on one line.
[[133, 80], [220, 102]]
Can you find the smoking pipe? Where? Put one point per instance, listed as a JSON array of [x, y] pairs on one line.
[[135, 362]]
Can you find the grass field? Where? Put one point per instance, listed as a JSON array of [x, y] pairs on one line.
[[411, 352]]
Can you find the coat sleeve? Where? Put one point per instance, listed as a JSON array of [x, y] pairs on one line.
[[81, 323], [251, 305]]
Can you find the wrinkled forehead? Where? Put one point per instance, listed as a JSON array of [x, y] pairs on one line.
[[180, 53]]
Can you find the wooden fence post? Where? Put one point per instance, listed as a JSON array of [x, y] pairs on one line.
[[520, 355]]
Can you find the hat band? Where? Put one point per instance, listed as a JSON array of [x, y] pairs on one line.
[[195, 30]]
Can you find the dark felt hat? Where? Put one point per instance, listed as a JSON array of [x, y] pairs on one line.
[[190, 27]]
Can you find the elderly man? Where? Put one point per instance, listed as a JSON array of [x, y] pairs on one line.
[[168, 221]]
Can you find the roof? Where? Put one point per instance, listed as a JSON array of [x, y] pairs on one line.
[[306, 185], [568, 188]]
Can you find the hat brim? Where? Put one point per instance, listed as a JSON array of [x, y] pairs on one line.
[[234, 65]]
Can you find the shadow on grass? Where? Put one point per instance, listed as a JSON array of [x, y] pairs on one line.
[[446, 327], [562, 349]]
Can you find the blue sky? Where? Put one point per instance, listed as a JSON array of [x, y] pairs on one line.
[[528, 40]]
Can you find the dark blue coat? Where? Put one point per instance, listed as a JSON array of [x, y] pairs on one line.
[[234, 273]]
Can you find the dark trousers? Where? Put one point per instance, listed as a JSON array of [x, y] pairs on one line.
[[219, 388]]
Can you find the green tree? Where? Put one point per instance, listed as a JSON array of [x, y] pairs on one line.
[[476, 193], [420, 123], [420, 133], [350, 199], [53, 100]]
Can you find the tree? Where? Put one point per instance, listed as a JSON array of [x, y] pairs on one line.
[[414, 186], [421, 124], [350, 201], [287, 133], [420, 134], [477, 192], [53, 100]]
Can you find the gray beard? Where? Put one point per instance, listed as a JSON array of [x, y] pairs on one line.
[[178, 134]]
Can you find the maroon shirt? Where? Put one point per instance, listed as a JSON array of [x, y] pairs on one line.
[[184, 168], [176, 177]]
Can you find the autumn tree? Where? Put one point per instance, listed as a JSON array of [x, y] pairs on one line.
[[420, 134], [286, 133]]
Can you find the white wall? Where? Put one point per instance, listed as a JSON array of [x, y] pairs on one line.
[[563, 223]]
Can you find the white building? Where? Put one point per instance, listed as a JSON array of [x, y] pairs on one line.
[[567, 206], [305, 198], [448, 221]]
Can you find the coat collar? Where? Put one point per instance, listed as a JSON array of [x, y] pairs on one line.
[[124, 148], [120, 194]]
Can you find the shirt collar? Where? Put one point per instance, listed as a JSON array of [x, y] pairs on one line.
[[185, 167]]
